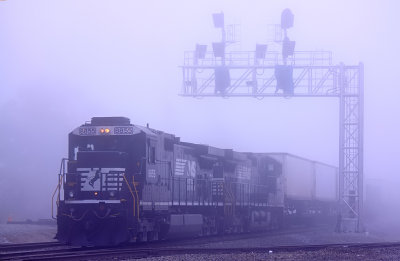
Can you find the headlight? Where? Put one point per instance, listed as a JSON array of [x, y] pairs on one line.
[[112, 193], [71, 194]]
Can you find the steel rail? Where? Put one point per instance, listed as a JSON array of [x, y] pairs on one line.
[[11, 247]]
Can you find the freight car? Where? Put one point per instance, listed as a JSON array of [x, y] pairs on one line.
[[310, 190], [123, 182]]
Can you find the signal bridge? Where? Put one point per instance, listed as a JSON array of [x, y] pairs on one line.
[[262, 74]]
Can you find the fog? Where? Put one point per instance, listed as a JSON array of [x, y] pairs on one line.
[[63, 62]]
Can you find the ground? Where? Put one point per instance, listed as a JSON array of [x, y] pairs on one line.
[[26, 233]]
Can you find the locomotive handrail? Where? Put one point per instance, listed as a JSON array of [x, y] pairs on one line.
[[255, 193], [52, 199], [133, 196], [59, 186], [229, 198], [137, 197]]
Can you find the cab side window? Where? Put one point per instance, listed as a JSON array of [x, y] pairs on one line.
[[151, 152], [152, 156]]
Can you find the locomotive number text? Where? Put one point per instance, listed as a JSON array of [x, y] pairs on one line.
[[123, 130], [87, 131]]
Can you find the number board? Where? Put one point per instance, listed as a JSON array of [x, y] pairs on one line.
[[123, 130], [87, 131]]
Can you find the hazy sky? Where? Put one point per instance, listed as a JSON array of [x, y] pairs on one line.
[[63, 62]]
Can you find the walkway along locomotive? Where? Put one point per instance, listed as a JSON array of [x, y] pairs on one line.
[[123, 182]]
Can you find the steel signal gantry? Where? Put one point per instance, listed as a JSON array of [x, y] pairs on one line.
[[313, 75]]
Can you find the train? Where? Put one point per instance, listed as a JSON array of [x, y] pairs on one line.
[[123, 182]]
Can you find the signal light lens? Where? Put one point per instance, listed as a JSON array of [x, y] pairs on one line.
[[96, 193], [107, 130], [101, 130]]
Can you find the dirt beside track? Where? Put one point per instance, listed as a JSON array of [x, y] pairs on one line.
[[371, 254], [314, 236], [23, 233]]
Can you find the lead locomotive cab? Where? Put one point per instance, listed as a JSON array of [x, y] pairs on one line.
[[100, 203]]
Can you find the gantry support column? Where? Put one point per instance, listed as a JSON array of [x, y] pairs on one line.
[[351, 146]]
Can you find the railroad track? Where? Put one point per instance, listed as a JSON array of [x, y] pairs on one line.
[[57, 251], [207, 239], [83, 253], [24, 246], [53, 250], [18, 251]]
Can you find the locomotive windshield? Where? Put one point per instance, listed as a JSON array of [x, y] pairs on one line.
[[101, 159], [96, 143]]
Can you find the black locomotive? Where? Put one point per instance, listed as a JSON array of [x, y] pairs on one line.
[[123, 182]]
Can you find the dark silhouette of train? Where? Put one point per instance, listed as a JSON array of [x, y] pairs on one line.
[[123, 182]]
